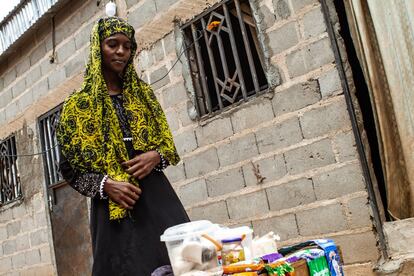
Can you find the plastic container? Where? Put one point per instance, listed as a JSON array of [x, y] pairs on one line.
[[188, 250], [233, 251], [244, 233]]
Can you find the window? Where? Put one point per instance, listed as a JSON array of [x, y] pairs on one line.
[[47, 126], [10, 188], [224, 57]]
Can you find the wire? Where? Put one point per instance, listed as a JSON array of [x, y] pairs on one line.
[[166, 74]]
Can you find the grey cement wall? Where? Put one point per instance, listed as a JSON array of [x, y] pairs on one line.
[[284, 161]]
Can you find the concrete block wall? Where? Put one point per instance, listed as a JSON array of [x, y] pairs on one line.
[[285, 161], [31, 86]]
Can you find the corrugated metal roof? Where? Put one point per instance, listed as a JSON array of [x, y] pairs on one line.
[[20, 19]]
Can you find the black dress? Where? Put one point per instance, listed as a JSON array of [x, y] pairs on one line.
[[130, 246]]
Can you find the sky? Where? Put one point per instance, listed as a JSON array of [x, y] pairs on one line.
[[6, 6]]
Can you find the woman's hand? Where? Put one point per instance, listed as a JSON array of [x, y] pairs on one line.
[[123, 193], [141, 165]]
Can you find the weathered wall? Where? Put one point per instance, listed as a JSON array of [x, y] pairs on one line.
[[298, 135]]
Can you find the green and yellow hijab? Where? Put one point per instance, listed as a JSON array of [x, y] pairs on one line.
[[89, 133]]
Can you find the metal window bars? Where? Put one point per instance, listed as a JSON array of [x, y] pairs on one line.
[[47, 126], [10, 188], [225, 60]]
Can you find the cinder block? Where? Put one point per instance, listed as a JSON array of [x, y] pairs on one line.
[[225, 182], [321, 220], [57, 77], [330, 83], [201, 163], [296, 97], [283, 38], [40, 89], [313, 23], [185, 142], [83, 37], [13, 228], [174, 95], [9, 77], [358, 248], [22, 67], [142, 14], [32, 257], [46, 67], [299, 4], [159, 78], [237, 150], [214, 131], [75, 65], [292, 194], [346, 146], [359, 212], [269, 169], [27, 224], [66, 51], [308, 157], [175, 173], [130, 3], [5, 264], [169, 43], [3, 233], [1, 83], [5, 97], [163, 5], [282, 9], [33, 76], [216, 212], [18, 261], [194, 192], [284, 226], [248, 205], [339, 182], [38, 53], [45, 256], [310, 57], [252, 115], [22, 242], [41, 220], [38, 237], [266, 17], [18, 88], [9, 247], [279, 136], [184, 118], [145, 60], [172, 120], [333, 116], [158, 51], [12, 110]]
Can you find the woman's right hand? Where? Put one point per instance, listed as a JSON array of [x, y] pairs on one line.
[[123, 193]]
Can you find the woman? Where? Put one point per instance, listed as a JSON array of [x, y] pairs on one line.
[[115, 142]]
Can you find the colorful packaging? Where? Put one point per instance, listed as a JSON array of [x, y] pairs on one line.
[[332, 256], [318, 267]]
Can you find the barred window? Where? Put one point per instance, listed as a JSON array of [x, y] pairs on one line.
[[10, 188], [47, 126], [225, 57]]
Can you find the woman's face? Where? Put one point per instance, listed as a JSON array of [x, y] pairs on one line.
[[116, 51]]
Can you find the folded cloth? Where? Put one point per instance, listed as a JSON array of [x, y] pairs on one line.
[[165, 270]]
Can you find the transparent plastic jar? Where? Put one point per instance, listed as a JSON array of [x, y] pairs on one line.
[[232, 251]]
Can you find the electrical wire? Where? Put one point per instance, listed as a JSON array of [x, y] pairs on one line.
[[166, 74]]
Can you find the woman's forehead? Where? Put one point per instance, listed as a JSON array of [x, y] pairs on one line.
[[119, 37]]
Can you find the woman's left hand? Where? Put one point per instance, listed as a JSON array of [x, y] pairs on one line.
[[141, 165]]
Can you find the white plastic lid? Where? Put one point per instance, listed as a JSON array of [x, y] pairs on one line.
[[188, 229], [230, 233]]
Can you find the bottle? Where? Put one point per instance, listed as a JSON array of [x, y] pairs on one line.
[[233, 251]]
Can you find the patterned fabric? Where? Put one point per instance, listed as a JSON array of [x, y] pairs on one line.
[[89, 132]]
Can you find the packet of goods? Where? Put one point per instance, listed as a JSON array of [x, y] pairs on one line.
[[265, 245]]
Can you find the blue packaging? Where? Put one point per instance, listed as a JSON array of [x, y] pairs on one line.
[[331, 255]]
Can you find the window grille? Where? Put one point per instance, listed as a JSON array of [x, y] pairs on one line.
[[10, 188], [225, 57], [47, 126]]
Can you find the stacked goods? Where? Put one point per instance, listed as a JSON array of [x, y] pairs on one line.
[[202, 248]]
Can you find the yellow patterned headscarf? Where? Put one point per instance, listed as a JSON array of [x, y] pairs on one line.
[[89, 133]]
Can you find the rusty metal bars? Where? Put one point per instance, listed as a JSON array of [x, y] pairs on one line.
[[47, 125], [10, 188]]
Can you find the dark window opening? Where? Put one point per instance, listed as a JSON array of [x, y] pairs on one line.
[[225, 56], [364, 101], [10, 188], [47, 127]]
